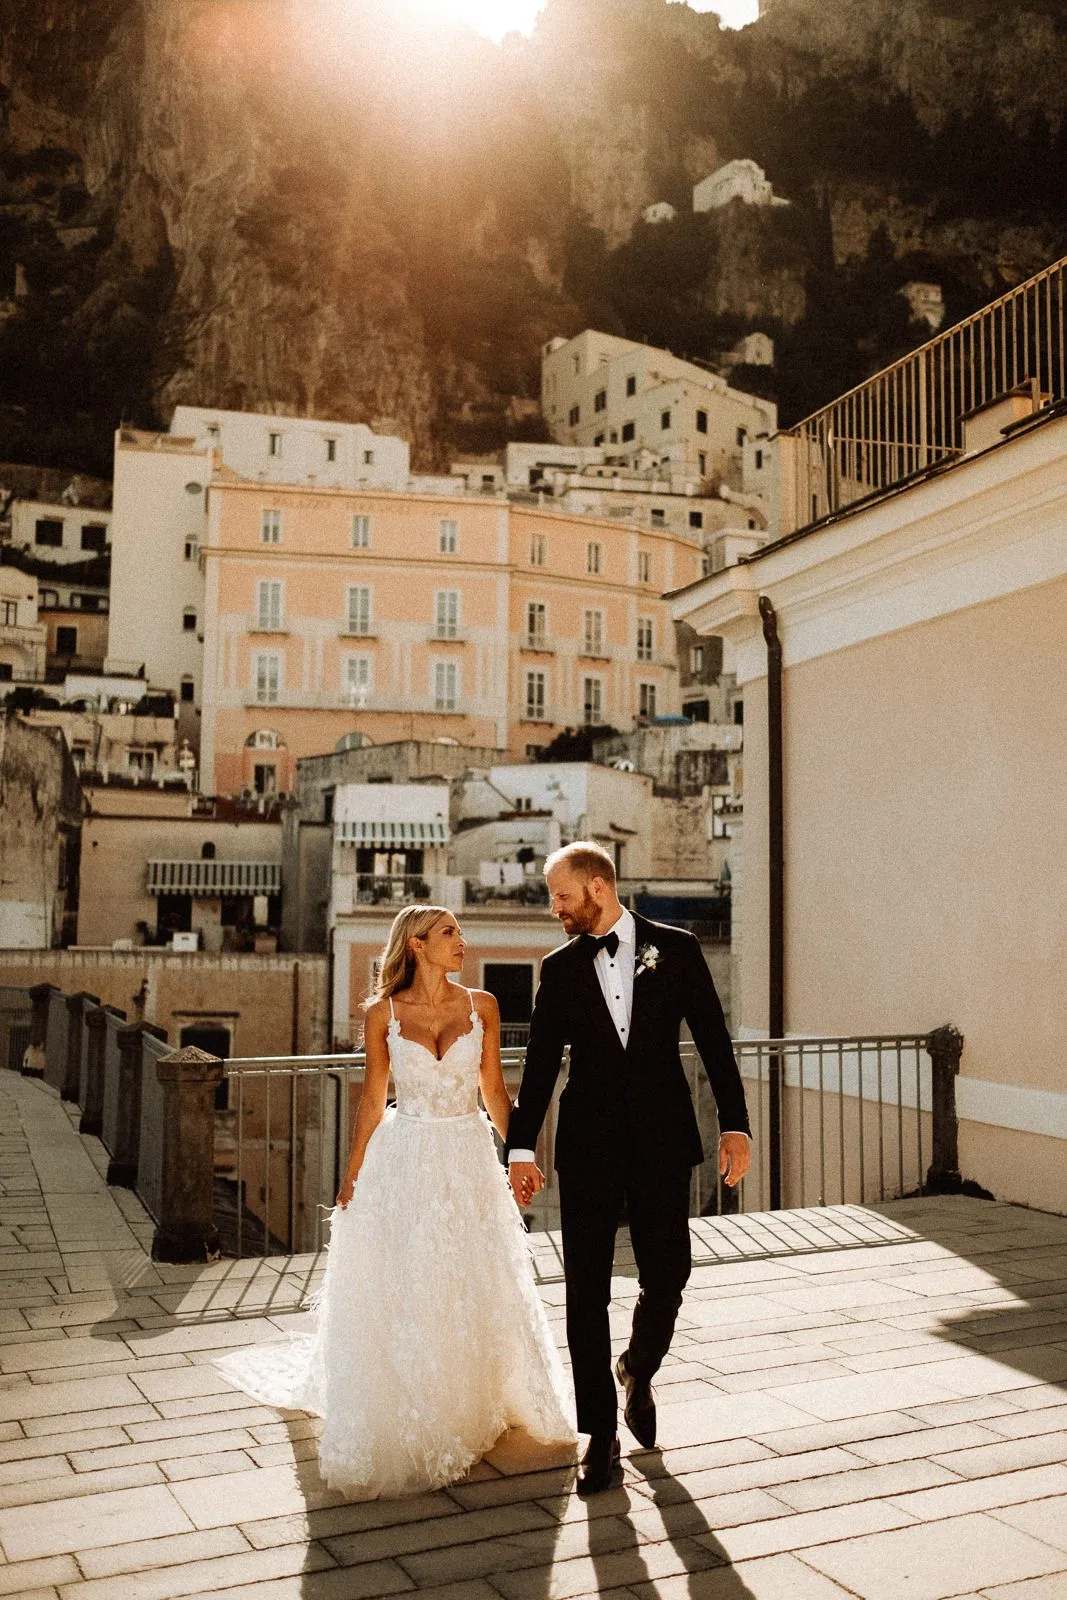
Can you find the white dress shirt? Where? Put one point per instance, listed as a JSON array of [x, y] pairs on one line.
[[615, 975]]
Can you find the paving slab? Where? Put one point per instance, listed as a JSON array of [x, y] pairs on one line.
[[861, 1401]]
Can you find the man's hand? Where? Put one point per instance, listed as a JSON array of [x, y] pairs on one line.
[[527, 1180], [735, 1154]]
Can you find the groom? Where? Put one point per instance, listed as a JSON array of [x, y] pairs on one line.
[[627, 1135]]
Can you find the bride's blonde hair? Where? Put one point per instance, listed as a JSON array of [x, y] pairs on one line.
[[396, 964]]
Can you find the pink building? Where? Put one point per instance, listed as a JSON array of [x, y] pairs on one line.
[[398, 615]]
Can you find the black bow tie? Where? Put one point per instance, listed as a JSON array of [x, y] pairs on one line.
[[609, 942]]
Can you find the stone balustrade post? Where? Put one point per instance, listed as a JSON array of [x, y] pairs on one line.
[[77, 1004], [122, 1168], [92, 1118], [186, 1230], [33, 1063], [944, 1046]]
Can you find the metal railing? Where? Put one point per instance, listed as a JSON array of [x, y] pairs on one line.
[[910, 416], [854, 1114]]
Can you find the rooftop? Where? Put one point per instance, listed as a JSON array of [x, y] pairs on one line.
[[860, 1402]]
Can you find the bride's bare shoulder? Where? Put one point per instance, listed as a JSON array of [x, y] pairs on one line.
[[485, 1004], [376, 1017]]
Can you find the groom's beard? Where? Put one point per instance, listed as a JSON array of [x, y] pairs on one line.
[[584, 919]]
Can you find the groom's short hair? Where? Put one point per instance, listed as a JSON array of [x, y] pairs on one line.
[[586, 859]]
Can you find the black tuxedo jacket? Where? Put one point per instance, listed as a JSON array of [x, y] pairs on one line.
[[626, 1103]]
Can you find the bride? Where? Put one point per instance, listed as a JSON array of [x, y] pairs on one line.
[[430, 1337]]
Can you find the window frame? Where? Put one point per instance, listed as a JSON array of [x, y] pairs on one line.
[[270, 617], [592, 714], [446, 604], [267, 665], [445, 701], [359, 530], [355, 692], [646, 638], [51, 523], [594, 558], [359, 619], [535, 702], [536, 637], [270, 525], [448, 536], [646, 700], [593, 631]]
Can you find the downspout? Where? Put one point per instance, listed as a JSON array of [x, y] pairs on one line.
[[775, 894]]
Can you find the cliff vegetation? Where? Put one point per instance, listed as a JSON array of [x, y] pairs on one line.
[[328, 207]]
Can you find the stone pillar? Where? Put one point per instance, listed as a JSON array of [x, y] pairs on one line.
[[187, 1230], [122, 1168], [76, 1008], [92, 1119], [944, 1046], [33, 1062]]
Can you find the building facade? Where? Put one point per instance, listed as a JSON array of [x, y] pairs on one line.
[[603, 392], [156, 869], [23, 637], [414, 616], [160, 519], [59, 533], [924, 752]]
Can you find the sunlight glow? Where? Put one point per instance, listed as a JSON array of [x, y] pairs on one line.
[[495, 18]]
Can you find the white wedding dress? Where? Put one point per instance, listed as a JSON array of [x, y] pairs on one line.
[[430, 1338]]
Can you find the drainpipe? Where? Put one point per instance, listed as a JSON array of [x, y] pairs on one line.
[[775, 893]]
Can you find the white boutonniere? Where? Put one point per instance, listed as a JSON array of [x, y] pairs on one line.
[[647, 959]]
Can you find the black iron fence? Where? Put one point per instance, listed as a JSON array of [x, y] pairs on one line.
[[258, 1146]]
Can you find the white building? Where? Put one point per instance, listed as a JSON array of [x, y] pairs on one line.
[[333, 455], [742, 180], [22, 635], [160, 518], [602, 392], [659, 211], [390, 845], [59, 532], [926, 302]]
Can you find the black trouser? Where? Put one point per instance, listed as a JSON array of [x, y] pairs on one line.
[[657, 1206]]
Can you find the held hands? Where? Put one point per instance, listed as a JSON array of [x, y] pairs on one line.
[[527, 1180], [734, 1157]]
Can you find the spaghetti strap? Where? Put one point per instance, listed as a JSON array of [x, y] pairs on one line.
[[392, 1013], [473, 1013]]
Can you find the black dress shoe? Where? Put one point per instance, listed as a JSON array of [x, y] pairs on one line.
[[639, 1412], [600, 1465]]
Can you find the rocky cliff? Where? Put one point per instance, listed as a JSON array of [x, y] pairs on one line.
[[332, 207]]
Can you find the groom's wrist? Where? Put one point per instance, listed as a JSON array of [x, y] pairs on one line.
[[520, 1155]]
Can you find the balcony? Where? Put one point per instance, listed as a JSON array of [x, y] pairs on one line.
[[539, 643], [374, 890], [913, 416]]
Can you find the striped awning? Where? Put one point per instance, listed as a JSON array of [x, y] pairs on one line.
[[389, 831], [213, 878]]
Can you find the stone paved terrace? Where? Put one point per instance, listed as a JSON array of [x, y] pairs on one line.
[[885, 1420]]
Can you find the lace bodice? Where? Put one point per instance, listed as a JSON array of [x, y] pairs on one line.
[[428, 1087]]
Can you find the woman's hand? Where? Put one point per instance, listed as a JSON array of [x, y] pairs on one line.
[[344, 1193]]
